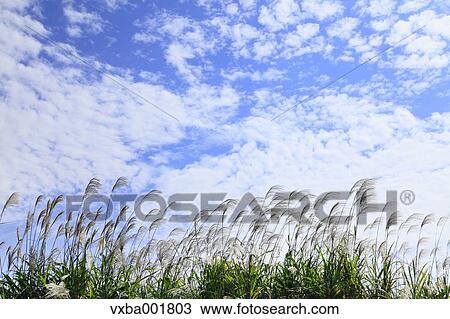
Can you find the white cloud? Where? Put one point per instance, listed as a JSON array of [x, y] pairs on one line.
[[380, 7], [115, 4], [343, 28], [383, 24], [208, 106], [426, 45], [322, 9], [145, 37], [279, 14], [183, 39], [438, 26], [172, 27], [175, 26], [241, 35], [301, 34], [177, 55], [412, 5], [247, 4], [82, 21], [264, 49], [422, 61], [232, 8], [271, 74], [16, 43], [426, 50], [18, 5]]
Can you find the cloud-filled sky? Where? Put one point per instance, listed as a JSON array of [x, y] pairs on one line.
[[224, 70]]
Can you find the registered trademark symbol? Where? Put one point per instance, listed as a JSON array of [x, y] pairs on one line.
[[407, 197]]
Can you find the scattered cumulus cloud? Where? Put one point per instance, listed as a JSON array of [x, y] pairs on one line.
[[279, 14], [322, 9], [82, 21], [343, 28]]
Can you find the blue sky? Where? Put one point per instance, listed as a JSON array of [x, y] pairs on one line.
[[224, 69]]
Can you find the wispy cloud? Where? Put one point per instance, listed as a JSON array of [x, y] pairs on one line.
[[82, 22]]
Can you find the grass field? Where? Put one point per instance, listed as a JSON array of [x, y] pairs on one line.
[[59, 255]]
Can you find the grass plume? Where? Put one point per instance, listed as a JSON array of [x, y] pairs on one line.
[[60, 254]]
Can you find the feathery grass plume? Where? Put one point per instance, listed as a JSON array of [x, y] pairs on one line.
[[58, 291], [12, 200], [275, 249], [92, 187], [121, 182]]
